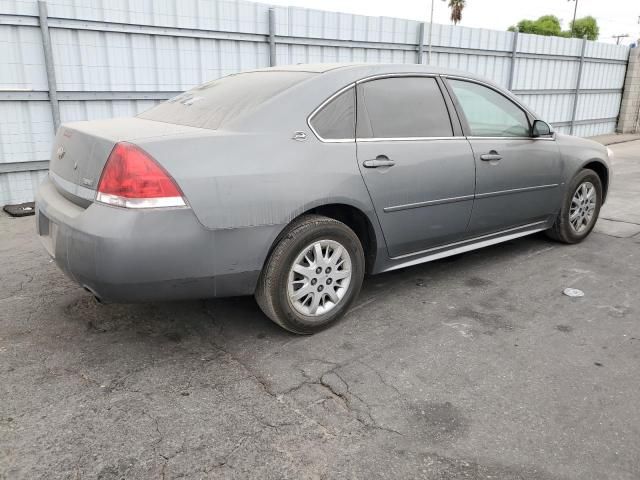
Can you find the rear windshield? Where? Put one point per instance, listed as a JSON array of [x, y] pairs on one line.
[[216, 103]]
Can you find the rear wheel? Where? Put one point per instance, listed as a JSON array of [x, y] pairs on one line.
[[312, 276], [580, 209]]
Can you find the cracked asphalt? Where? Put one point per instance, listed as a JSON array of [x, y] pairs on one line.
[[473, 367]]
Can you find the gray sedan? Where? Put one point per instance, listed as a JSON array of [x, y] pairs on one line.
[[291, 183]]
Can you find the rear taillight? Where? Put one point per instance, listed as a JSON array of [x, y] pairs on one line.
[[133, 179]]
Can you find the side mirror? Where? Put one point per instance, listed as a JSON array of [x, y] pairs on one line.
[[540, 129]]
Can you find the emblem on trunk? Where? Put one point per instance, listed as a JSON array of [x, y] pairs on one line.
[[60, 152]]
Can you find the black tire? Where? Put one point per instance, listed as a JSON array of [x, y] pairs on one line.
[[562, 231], [271, 293]]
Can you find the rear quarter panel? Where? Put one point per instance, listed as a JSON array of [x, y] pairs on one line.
[[238, 180], [247, 187]]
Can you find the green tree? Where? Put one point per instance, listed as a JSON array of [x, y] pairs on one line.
[[456, 7], [587, 26], [550, 25], [545, 25]]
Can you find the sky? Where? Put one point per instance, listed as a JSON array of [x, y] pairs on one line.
[[614, 16]]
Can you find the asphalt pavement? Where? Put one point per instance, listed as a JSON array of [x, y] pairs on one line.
[[472, 367]]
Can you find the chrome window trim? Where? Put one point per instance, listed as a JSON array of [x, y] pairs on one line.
[[397, 139], [333, 140], [492, 87], [396, 75], [455, 137], [353, 84], [319, 107], [516, 101], [408, 139], [548, 139]]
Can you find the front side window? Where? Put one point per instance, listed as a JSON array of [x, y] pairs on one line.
[[402, 107], [337, 119], [488, 113]]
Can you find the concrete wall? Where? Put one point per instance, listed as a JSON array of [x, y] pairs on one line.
[[629, 119]]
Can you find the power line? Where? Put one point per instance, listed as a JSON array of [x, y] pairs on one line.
[[618, 37], [575, 10]]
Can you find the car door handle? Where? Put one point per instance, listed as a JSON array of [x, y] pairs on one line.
[[380, 161], [492, 155]]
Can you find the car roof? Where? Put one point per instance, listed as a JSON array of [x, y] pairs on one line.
[[306, 67], [365, 68]]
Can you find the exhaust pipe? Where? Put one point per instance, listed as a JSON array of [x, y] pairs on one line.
[[95, 295]]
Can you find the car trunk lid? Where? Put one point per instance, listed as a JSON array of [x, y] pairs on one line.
[[81, 150]]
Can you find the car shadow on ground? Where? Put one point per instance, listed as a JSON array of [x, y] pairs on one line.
[[241, 318]]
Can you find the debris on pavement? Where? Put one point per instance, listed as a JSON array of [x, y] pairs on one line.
[[21, 209], [573, 292]]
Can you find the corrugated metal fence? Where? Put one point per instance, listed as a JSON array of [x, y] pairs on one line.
[[118, 57]]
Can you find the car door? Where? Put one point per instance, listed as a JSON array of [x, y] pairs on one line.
[[418, 168], [518, 177]]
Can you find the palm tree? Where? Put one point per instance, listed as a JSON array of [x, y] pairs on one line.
[[456, 7]]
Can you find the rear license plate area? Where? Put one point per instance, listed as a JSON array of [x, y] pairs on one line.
[[48, 231], [43, 225]]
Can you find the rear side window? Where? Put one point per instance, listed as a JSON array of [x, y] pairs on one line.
[[402, 107], [490, 114], [216, 103], [337, 119]]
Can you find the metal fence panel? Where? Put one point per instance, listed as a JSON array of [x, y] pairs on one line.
[[493, 68], [21, 58], [20, 185], [119, 57], [603, 75], [543, 74], [556, 108], [74, 111], [26, 132], [108, 61]]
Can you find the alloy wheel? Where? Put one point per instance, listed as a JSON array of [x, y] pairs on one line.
[[583, 206], [319, 278]]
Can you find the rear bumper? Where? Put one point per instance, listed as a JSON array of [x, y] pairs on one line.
[[124, 255]]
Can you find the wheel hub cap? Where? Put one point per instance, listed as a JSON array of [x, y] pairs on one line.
[[319, 278], [583, 206]]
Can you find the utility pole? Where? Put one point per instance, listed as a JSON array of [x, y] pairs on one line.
[[618, 37], [430, 33], [575, 10]]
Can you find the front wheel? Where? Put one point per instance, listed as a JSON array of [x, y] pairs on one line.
[[580, 209], [312, 276]]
